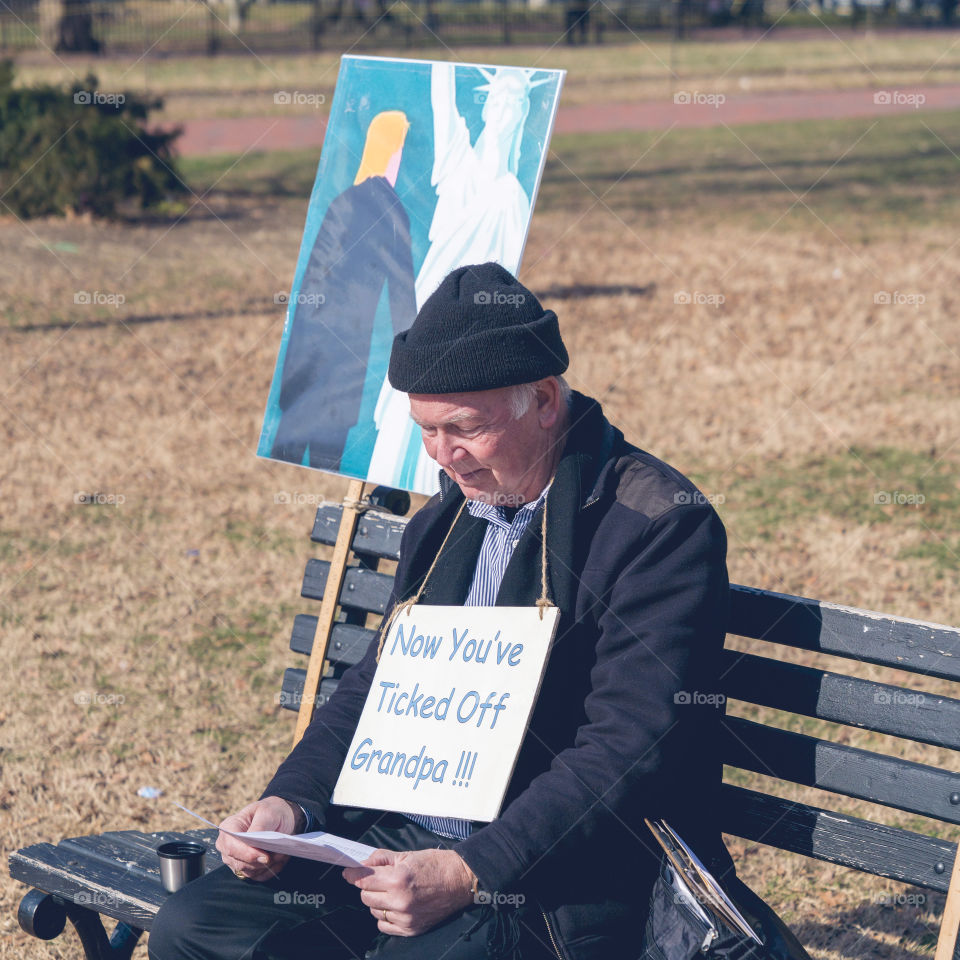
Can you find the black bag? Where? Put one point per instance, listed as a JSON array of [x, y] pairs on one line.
[[676, 930]]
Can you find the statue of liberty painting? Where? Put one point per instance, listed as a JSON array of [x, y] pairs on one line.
[[482, 214], [425, 166]]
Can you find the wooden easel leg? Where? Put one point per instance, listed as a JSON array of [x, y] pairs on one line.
[[328, 608], [948, 943]]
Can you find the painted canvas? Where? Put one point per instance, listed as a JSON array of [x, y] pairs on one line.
[[425, 166]]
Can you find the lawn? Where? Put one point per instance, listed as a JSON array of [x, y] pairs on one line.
[[720, 292], [861, 178]]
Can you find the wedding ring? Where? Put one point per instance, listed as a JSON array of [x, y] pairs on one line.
[[239, 873], [385, 920]]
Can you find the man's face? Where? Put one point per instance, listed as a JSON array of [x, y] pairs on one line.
[[490, 455]]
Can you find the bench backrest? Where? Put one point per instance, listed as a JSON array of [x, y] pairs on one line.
[[924, 649]]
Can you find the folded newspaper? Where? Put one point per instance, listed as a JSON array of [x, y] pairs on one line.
[[698, 881]]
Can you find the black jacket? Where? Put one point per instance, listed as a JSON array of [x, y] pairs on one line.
[[625, 723]]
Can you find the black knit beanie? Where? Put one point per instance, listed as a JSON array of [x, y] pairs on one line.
[[479, 330]]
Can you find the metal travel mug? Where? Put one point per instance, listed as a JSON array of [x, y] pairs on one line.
[[180, 862]]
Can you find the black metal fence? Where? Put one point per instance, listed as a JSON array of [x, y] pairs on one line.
[[164, 27], [196, 26]]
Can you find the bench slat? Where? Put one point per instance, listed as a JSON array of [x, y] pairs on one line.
[[110, 849], [348, 642], [882, 707], [292, 689], [927, 648], [850, 771], [362, 589], [826, 835], [141, 848], [96, 871], [377, 533]]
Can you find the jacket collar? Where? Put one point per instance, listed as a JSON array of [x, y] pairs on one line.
[[581, 478]]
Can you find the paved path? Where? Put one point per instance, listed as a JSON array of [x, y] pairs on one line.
[[240, 134]]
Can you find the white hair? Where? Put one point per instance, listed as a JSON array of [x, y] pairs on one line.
[[521, 396]]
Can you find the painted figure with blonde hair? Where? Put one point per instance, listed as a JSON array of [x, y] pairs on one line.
[[362, 246]]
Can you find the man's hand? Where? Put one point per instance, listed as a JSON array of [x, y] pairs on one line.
[[409, 892], [271, 813]]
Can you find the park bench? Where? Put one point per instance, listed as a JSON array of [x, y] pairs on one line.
[[116, 874]]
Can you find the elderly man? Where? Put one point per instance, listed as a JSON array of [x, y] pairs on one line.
[[635, 562]]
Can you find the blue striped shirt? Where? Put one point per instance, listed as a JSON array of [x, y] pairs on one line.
[[501, 537]]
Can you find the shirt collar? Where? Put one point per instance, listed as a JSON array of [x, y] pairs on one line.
[[496, 513]]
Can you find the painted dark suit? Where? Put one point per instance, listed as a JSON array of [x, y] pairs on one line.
[[364, 237]]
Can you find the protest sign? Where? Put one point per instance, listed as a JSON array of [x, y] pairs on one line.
[[426, 166], [447, 710]]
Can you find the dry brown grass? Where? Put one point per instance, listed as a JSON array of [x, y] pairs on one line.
[[179, 600]]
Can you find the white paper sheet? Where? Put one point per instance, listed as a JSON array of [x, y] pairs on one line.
[[325, 847]]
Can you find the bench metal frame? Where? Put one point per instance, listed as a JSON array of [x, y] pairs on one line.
[[115, 874]]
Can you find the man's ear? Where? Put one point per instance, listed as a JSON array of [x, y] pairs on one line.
[[548, 402]]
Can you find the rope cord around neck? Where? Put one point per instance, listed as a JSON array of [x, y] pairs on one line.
[[543, 603], [407, 604]]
